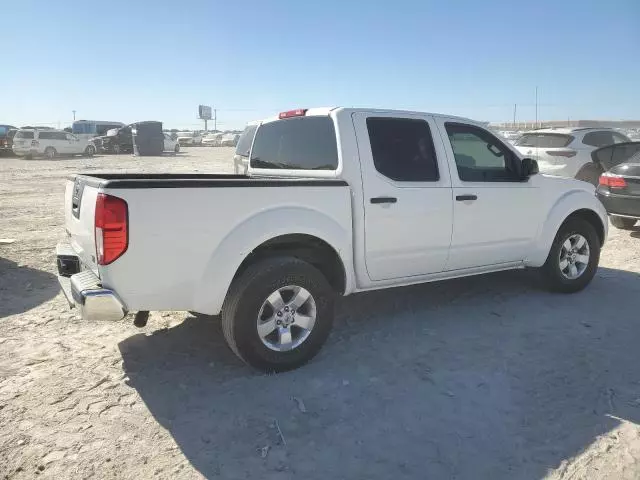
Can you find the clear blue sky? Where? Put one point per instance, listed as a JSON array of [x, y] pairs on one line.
[[138, 59]]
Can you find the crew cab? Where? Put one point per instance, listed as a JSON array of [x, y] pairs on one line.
[[336, 201]]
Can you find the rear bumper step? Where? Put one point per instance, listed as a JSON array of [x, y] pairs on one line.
[[84, 290]]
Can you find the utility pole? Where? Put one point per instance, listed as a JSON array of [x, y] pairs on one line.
[[74, 115], [515, 106], [536, 106], [215, 120]]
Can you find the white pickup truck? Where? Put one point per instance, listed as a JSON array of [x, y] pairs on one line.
[[336, 201]]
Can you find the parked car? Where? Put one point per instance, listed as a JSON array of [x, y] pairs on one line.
[[566, 152], [212, 140], [49, 143], [619, 186], [171, 145], [241, 158], [336, 201], [117, 140], [7, 133], [189, 138]]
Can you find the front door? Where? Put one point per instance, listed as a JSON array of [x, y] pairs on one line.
[[496, 213], [407, 195]]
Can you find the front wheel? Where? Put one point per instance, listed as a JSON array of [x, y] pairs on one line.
[[177, 149], [623, 223], [573, 258], [278, 314], [89, 151], [116, 149]]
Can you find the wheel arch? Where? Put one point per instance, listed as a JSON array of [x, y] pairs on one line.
[[307, 234], [575, 204]]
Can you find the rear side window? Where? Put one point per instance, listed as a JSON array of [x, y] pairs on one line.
[[598, 139], [544, 140], [403, 149], [46, 135], [24, 134], [302, 143], [245, 141]]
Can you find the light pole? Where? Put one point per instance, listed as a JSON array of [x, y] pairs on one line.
[[74, 115]]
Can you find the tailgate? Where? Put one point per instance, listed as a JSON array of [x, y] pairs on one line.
[[79, 210]]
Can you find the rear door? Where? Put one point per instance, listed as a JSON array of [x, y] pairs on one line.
[[407, 195]]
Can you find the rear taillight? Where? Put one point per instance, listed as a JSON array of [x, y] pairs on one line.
[[112, 228], [34, 143], [300, 112], [612, 180], [562, 153]]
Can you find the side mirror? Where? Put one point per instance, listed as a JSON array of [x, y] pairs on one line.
[[529, 167]]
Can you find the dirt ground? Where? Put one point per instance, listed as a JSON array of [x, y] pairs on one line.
[[484, 377]]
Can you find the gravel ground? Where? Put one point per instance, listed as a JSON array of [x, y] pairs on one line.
[[484, 377]]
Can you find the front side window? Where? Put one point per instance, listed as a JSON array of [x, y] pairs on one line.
[[619, 138], [301, 143], [403, 149], [480, 156]]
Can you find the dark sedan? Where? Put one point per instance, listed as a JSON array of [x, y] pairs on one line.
[[619, 192]]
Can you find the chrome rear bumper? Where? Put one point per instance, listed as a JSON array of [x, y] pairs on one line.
[[84, 290]]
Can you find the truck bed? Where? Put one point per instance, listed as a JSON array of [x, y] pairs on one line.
[[188, 233]]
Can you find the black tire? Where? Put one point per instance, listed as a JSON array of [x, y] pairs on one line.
[[89, 151], [552, 274], [623, 223], [116, 149], [245, 298], [177, 148], [50, 153]]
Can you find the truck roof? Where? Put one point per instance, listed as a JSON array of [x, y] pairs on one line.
[[324, 111]]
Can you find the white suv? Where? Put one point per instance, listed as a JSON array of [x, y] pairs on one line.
[[566, 152], [34, 142]]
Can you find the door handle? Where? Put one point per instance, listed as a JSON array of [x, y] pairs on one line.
[[462, 198], [384, 200]]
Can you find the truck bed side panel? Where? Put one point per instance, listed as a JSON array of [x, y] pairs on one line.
[[175, 236]]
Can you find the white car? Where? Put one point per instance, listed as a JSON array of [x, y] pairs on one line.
[[170, 145], [49, 143], [189, 138], [566, 152], [336, 201], [212, 140]]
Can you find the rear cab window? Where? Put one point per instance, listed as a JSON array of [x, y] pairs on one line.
[[544, 140], [299, 143]]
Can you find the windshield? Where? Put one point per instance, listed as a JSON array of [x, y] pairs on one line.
[[185, 134], [544, 140], [245, 141]]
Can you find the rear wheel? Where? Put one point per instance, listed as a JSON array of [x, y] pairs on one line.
[[116, 149], [50, 153], [177, 149], [573, 258], [90, 151], [622, 222], [278, 314]]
